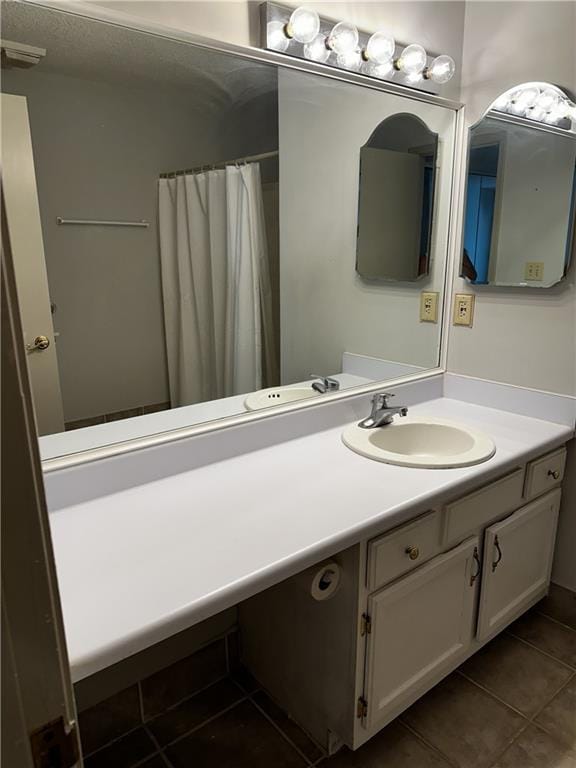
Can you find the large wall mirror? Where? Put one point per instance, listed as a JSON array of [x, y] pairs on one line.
[[199, 211], [521, 190]]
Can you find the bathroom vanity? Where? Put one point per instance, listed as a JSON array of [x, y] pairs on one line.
[[412, 605]]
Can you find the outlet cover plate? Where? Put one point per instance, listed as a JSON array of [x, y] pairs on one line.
[[429, 307], [464, 309]]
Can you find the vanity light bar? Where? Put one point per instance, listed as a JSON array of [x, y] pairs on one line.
[[539, 102], [301, 32]]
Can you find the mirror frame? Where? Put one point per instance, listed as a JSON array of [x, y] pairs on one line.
[[117, 18], [504, 117]]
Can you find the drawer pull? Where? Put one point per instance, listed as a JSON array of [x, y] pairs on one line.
[[554, 473], [499, 551], [474, 576], [412, 552]]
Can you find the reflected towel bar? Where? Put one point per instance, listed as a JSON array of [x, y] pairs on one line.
[[141, 223]]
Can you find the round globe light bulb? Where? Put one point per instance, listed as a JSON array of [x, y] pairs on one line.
[[441, 69], [343, 38], [547, 100], [351, 60], [527, 97], [276, 35], [502, 102], [316, 49], [380, 47], [412, 59], [414, 78], [374, 69], [536, 113], [303, 25], [557, 113]]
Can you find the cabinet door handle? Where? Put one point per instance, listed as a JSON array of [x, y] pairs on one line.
[[474, 576], [412, 552], [554, 473], [499, 551]]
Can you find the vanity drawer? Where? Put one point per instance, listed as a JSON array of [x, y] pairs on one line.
[[402, 549], [466, 515], [544, 473]]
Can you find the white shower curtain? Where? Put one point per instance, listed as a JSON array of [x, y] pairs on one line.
[[215, 284]]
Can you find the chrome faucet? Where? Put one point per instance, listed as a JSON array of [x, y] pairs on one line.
[[382, 413], [324, 384]]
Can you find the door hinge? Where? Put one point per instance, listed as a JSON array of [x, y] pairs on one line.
[[362, 708], [53, 746], [365, 625]]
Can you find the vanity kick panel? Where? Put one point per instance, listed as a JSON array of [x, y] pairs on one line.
[[466, 515], [404, 548], [545, 473]]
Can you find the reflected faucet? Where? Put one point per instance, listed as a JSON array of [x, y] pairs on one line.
[[324, 384], [382, 414]]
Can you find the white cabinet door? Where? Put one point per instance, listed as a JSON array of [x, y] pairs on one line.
[[518, 556], [420, 626]]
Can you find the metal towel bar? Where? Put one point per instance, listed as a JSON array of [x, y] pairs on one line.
[[141, 223]]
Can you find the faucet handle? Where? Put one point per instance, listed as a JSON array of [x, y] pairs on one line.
[[380, 399]]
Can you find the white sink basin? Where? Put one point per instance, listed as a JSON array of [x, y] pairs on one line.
[[427, 443], [265, 398]]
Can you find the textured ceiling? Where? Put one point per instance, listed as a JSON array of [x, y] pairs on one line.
[[93, 50]]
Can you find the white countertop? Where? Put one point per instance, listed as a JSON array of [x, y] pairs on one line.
[[137, 566]]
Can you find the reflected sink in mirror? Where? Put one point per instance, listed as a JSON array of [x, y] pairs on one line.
[[426, 443], [266, 398]]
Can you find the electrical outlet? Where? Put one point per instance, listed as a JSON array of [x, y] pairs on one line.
[[534, 270], [463, 309], [429, 307]]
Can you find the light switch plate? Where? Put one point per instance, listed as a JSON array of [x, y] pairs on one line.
[[429, 307], [534, 270], [463, 309]]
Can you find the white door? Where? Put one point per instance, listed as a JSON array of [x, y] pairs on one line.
[[38, 713], [518, 556], [420, 626], [25, 232]]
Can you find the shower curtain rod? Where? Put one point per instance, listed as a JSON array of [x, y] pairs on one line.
[[214, 166]]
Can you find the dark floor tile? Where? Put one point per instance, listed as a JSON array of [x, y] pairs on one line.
[[83, 423], [297, 736], [466, 724], [393, 747], [547, 635], [517, 673], [156, 408], [194, 711], [240, 738], [244, 679], [536, 749], [560, 604], [109, 719], [124, 753], [157, 761], [129, 413], [559, 717], [186, 677]]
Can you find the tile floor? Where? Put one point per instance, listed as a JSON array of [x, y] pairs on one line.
[[512, 705]]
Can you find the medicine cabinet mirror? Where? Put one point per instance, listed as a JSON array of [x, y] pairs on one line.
[[520, 191], [396, 200], [194, 257]]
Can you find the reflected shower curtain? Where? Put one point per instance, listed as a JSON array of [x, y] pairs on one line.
[[215, 284]]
